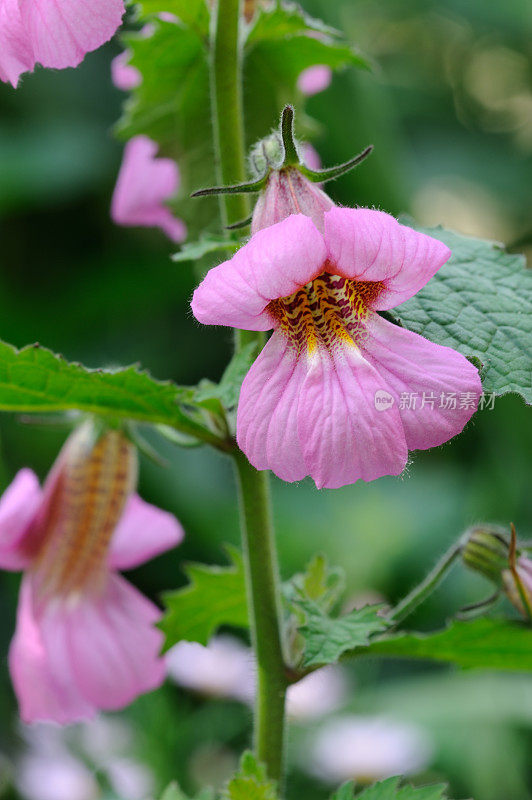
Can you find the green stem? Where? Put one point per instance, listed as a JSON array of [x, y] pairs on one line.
[[253, 487], [263, 596], [426, 587], [228, 118]]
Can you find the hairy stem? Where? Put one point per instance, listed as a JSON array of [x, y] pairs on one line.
[[263, 598], [426, 587], [228, 118], [253, 487]]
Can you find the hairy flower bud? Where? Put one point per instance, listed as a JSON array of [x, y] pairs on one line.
[[287, 192], [491, 551]]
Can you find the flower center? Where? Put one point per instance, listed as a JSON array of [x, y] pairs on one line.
[[86, 501], [328, 311]]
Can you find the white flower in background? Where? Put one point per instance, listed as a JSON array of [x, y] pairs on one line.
[[62, 763], [225, 668], [366, 749]]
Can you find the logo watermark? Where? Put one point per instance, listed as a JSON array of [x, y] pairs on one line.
[[449, 401]]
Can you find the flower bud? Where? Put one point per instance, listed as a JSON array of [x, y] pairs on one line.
[[287, 192], [489, 550]]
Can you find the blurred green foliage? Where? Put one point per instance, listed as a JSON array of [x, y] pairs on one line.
[[449, 109]]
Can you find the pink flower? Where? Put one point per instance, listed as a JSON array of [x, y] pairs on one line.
[[311, 157], [314, 79], [144, 184], [85, 638], [54, 33], [338, 392], [124, 75]]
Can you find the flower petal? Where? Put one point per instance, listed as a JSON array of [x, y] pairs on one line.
[[344, 435], [16, 54], [44, 692], [440, 388], [61, 32], [276, 262], [315, 415], [124, 75], [144, 184], [370, 245], [267, 410], [314, 79], [18, 507], [108, 642], [144, 531]]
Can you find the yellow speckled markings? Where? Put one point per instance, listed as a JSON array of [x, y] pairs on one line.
[[93, 478], [328, 311]]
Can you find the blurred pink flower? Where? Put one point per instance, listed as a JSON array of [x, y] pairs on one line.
[[311, 157], [314, 79], [329, 395], [226, 668], [54, 33], [85, 638], [124, 75], [144, 184], [366, 749]]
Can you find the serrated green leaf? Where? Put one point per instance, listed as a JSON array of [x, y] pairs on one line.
[[192, 251], [285, 20], [389, 790], [319, 583], [482, 643], [250, 782], [479, 303], [214, 596], [36, 380], [173, 792], [193, 13], [326, 638], [345, 792]]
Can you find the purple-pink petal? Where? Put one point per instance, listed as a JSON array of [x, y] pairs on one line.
[[18, 506], [275, 263], [315, 414], [73, 656], [16, 53], [61, 32], [435, 388], [368, 245], [267, 414], [143, 186], [144, 531]]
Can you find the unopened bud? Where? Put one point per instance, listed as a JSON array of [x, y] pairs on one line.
[[486, 550]]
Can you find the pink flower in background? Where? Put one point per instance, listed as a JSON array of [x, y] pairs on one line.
[[327, 396], [144, 184], [367, 749], [54, 33], [124, 75], [311, 157], [85, 638], [314, 79]]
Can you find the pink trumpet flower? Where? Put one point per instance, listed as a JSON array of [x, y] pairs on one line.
[[85, 638], [338, 392], [54, 33], [143, 186]]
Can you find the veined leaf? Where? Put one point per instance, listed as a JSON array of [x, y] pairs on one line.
[[192, 251], [193, 13], [36, 380], [479, 303], [482, 643], [326, 638], [215, 596]]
